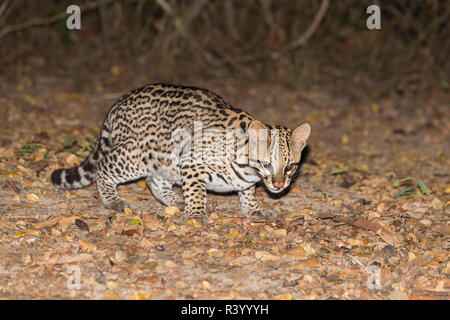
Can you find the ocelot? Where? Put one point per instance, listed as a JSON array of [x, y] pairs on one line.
[[190, 137]]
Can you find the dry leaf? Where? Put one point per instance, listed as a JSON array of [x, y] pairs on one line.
[[97, 226], [30, 232], [4, 223], [148, 266], [353, 242], [284, 296], [32, 197], [394, 239], [111, 284], [140, 296], [310, 262], [151, 222], [206, 285], [345, 139], [172, 211], [26, 259], [87, 246], [279, 233], [143, 184], [119, 256], [72, 160], [111, 295], [213, 252], [297, 252], [170, 264], [298, 213], [194, 222], [436, 204], [47, 223], [296, 189], [66, 223], [265, 256], [73, 258]]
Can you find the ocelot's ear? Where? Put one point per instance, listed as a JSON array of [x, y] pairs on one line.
[[298, 139], [257, 134]]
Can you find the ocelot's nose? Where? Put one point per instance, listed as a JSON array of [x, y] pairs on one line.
[[278, 185]]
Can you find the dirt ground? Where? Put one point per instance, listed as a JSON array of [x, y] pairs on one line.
[[340, 232]]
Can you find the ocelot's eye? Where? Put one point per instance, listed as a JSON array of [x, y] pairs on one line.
[[289, 167], [267, 165]]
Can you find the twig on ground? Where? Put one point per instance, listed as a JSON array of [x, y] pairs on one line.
[[14, 186]]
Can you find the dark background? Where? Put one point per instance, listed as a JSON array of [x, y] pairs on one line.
[[178, 41]]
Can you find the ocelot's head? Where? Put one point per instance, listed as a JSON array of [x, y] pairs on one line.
[[275, 152]]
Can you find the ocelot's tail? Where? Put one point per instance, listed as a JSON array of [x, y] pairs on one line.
[[84, 174], [76, 177]]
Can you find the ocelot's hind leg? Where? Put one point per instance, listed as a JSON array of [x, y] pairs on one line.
[[194, 192], [115, 167], [162, 191]]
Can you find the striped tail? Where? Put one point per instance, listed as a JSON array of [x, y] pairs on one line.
[[76, 177]]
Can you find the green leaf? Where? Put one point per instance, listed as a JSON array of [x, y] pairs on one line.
[[337, 171], [407, 191], [27, 149], [400, 181], [423, 188], [134, 221]]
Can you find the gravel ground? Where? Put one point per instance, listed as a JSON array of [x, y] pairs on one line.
[[337, 236]]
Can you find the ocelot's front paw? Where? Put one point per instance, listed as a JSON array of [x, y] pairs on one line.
[[116, 205], [196, 213], [202, 218]]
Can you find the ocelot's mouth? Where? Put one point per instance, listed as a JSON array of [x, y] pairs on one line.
[[271, 188], [275, 190]]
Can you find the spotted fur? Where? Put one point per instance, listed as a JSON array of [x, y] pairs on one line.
[[137, 141]]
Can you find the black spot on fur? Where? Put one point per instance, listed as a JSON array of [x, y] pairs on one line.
[[88, 167], [56, 177], [69, 178], [106, 142], [231, 121], [76, 175], [72, 175], [236, 109]]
